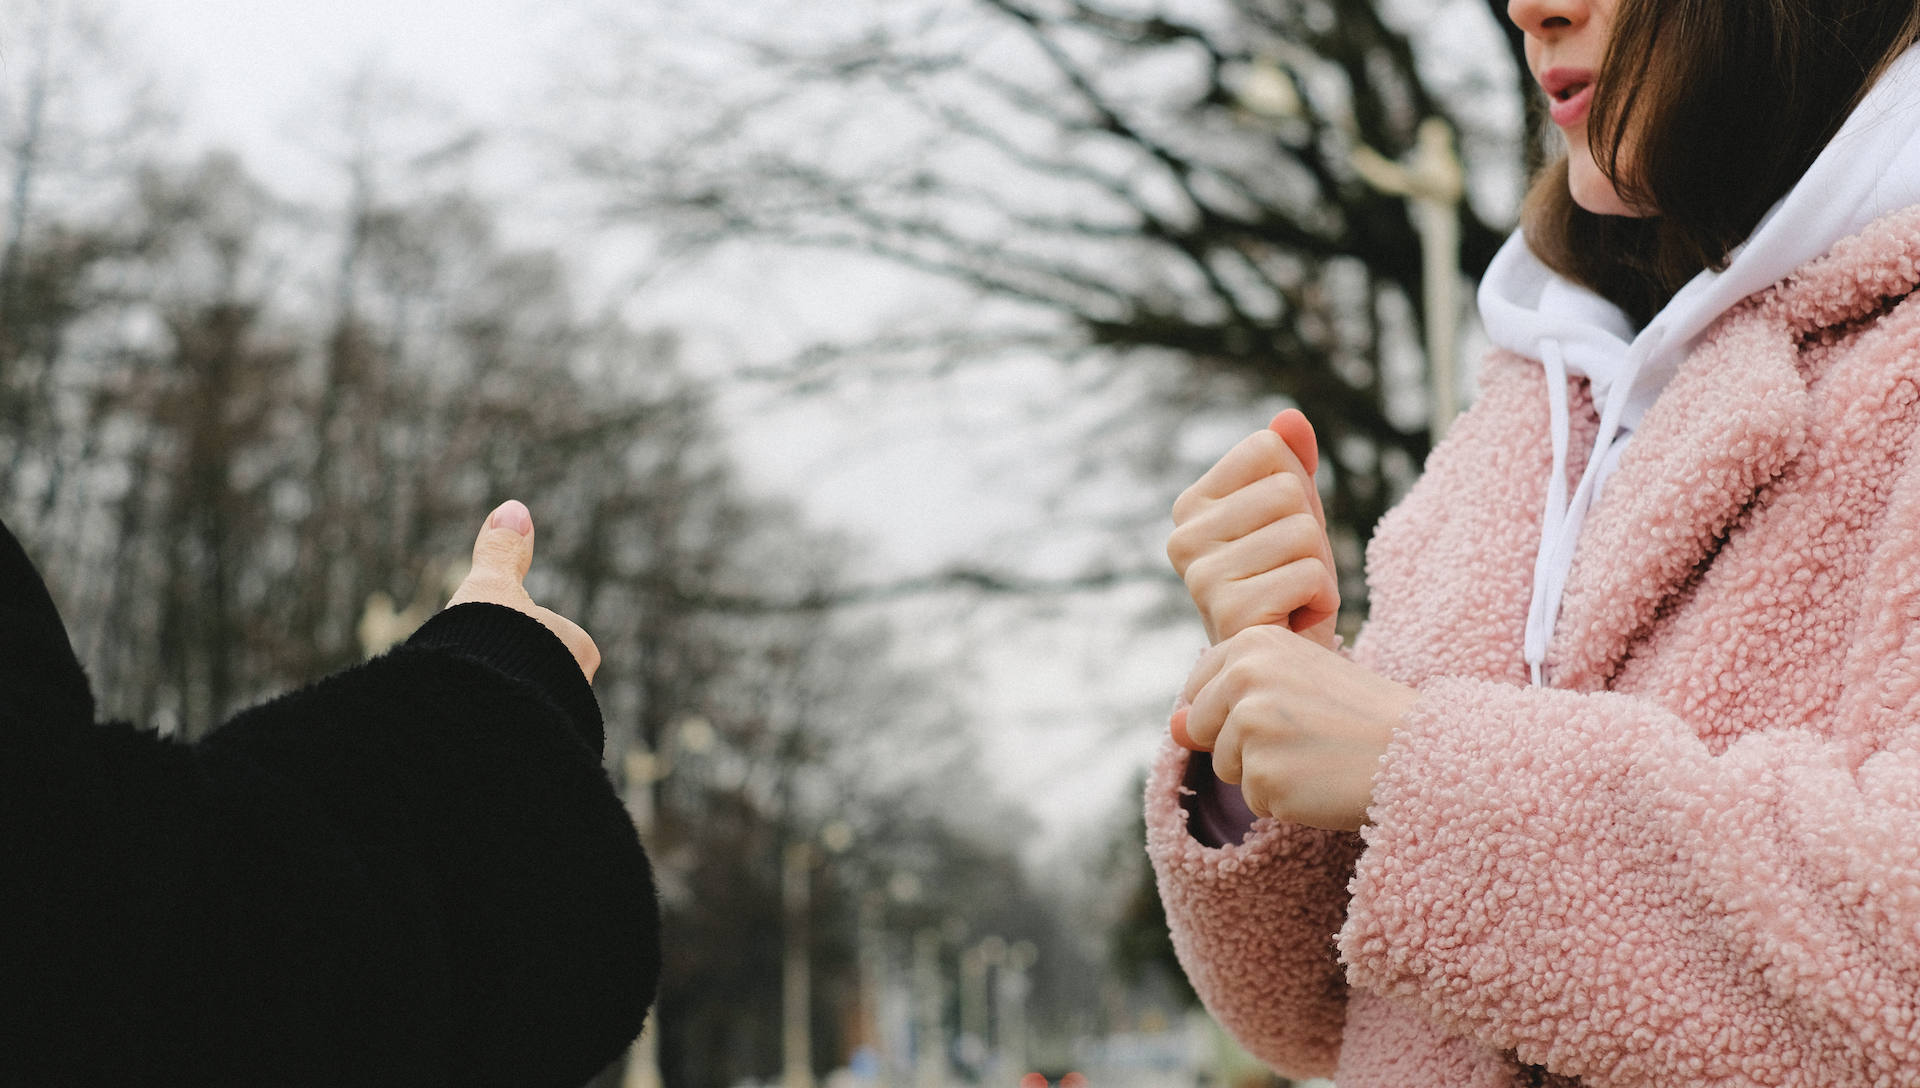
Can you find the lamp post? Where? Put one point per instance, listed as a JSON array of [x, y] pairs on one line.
[[796, 976], [930, 1043], [870, 950], [642, 770], [1433, 181], [1010, 1003], [896, 994], [383, 626], [975, 962], [796, 1036]]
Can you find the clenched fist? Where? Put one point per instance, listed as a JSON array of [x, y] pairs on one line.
[[1250, 538]]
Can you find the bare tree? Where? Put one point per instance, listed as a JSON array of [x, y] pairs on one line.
[[1138, 180], [77, 114], [205, 406]]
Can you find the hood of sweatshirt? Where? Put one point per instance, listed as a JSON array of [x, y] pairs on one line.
[[1870, 168]]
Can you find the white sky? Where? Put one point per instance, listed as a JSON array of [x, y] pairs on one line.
[[249, 67], [1069, 703]]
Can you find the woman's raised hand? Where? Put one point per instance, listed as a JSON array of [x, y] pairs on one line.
[[501, 556], [1250, 538]]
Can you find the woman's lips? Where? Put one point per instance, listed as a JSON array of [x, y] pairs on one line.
[[1569, 93], [1572, 109]]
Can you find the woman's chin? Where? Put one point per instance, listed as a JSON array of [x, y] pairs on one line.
[[1594, 191]]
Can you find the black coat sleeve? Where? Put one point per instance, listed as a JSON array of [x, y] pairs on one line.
[[414, 872]]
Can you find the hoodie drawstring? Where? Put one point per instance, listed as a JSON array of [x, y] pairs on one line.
[[1564, 517], [1539, 624]]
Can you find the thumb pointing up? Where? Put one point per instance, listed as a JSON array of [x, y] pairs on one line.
[[502, 554]]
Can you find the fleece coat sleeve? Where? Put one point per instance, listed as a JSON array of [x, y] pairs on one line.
[[1575, 877], [414, 872], [1254, 924]]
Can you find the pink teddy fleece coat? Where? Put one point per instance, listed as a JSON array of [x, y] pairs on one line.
[[1696, 859]]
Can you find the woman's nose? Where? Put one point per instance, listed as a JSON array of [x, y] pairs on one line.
[[1549, 18]]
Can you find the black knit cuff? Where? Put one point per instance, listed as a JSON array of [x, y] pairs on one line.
[[523, 648]]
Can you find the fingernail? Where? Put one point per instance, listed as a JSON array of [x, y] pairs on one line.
[[512, 514], [1177, 725]]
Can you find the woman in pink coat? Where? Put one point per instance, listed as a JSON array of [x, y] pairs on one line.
[[1631, 741]]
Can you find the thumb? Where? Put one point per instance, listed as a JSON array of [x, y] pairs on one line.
[[1293, 428], [504, 549]]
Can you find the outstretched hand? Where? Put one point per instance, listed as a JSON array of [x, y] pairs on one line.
[[1250, 538], [501, 557]]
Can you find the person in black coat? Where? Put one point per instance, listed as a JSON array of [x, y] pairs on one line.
[[412, 873]]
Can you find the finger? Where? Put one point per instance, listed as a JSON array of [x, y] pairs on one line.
[[1300, 592], [1261, 503], [1305, 596], [1285, 540], [1245, 749], [1226, 755], [1322, 608], [504, 548], [1254, 798], [1293, 427], [1177, 725], [1260, 454], [1217, 568], [1268, 763], [1264, 525], [1204, 670], [1206, 717]]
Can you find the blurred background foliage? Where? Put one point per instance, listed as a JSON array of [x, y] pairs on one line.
[[246, 436]]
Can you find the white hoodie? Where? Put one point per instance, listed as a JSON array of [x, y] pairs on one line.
[[1871, 168]]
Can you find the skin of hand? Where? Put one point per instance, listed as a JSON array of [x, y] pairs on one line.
[[1250, 538], [502, 554], [1299, 728]]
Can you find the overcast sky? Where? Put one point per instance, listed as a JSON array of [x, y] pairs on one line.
[[249, 67]]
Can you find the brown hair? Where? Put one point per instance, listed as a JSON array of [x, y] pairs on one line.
[[1705, 112]]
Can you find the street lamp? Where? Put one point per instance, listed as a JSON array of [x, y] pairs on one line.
[[930, 1047], [1010, 1003], [796, 1007], [1433, 182], [796, 1037], [642, 769]]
